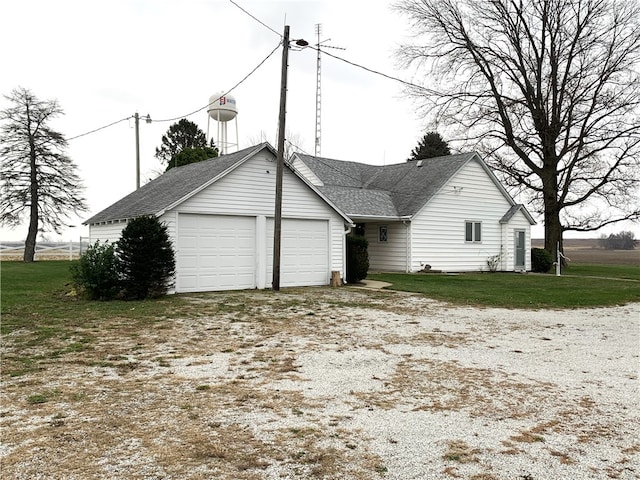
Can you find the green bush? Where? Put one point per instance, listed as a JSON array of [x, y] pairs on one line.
[[146, 256], [541, 260], [357, 258], [96, 273]]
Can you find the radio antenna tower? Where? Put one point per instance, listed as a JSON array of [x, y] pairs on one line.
[[318, 87]]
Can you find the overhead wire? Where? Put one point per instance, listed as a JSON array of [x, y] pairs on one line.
[[376, 72], [228, 91], [191, 113], [256, 19], [98, 129], [317, 48]]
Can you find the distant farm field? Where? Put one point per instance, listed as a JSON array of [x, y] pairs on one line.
[[587, 252]]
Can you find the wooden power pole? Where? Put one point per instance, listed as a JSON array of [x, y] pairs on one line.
[[277, 228]]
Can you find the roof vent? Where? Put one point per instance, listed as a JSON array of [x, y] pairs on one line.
[[419, 163]]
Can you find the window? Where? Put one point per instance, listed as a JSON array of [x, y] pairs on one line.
[[382, 233], [472, 231]]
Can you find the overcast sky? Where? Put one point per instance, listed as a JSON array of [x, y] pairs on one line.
[[105, 60]]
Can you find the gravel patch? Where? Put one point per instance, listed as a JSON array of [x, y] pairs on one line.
[[336, 383]]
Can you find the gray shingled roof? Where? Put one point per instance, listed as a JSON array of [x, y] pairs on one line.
[[359, 202], [506, 218], [399, 190], [172, 186]]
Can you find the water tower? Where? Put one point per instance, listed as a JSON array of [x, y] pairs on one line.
[[222, 108]]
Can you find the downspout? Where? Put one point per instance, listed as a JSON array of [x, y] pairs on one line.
[[407, 225], [347, 231]]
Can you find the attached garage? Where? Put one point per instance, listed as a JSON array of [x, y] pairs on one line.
[[219, 214]]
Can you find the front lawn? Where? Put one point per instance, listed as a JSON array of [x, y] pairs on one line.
[[583, 286]]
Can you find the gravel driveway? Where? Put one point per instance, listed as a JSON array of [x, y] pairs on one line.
[[335, 384]]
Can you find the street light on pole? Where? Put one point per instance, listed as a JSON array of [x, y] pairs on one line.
[[148, 120], [277, 224]]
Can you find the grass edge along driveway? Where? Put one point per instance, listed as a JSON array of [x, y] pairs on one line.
[[584, 286]]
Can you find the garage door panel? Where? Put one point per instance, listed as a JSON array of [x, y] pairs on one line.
[[189, 262], [304, 258], [187, 241], [215, 252]]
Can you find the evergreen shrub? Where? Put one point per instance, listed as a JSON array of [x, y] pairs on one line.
[[146, 257], [541, 260], [357, 258]]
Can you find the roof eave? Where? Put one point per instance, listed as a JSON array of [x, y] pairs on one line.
[[378, 218]]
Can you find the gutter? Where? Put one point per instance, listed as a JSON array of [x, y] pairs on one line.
[[378, 218]]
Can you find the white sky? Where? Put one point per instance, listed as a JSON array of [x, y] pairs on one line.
[[104, 61]]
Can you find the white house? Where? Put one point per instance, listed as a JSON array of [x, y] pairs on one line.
[[450, 213], [219, 215]]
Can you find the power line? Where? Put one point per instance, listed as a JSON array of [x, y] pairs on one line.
[[256, 19], [370, 70], [98, 129], [297, 147], [228, 91], [188, 114]]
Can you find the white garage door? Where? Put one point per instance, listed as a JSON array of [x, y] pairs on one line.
[[304, 257], [215, 252]]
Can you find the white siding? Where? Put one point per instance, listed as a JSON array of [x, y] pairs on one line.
[[438, 231], [250, 190], [306, 172], [106, 232], [392, 255], [111, 231]]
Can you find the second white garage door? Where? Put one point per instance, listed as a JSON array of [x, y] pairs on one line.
[[304, 252], [215, 252]]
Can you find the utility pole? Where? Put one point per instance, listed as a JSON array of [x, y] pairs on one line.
[[137, 119], [318, 93], [277, 228]]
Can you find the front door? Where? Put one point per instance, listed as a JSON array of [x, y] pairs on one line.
[[520, 250]]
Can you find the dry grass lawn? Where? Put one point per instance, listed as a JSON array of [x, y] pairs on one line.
[[326, 383]]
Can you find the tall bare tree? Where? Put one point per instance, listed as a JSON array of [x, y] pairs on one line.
[[549, 88], [37, 178]]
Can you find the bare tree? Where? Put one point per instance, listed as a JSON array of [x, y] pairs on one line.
[[293, 142], [550, 89], [36, 176]]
